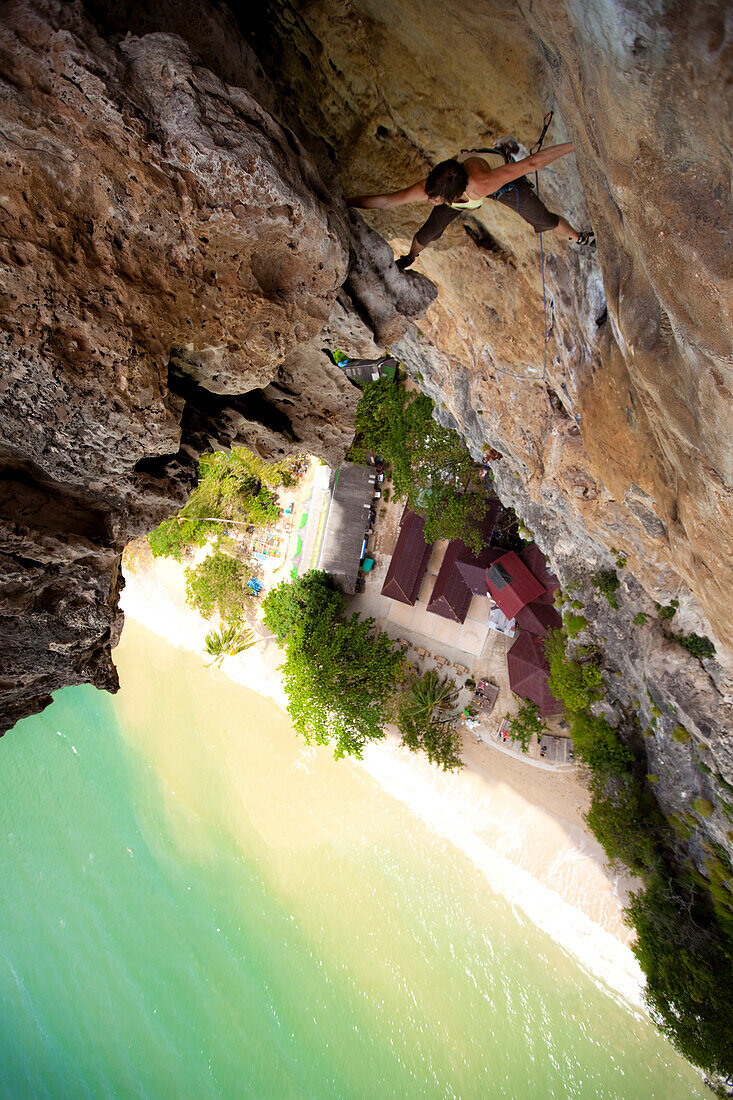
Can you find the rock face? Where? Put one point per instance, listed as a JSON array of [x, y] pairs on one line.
[[151, 213]]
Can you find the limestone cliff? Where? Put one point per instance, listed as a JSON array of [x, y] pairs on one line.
[[177, 249]]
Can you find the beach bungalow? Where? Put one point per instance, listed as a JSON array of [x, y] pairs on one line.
[[511, 585], [529, 673], [409, 560], [463, 573]]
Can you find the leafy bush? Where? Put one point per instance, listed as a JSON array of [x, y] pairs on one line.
[[340, 678], [682, 735], [598, 745], [639, 618], [429, 463], [702, 806], [697, 645], [688, 962], [607, 583], [235, 486], [620, 822], [669, 611], [576, 685], [526, 724], [298, 605], [574, 624], [218, 585]]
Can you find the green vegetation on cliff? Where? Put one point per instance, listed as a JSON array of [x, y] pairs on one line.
[[430, 464], [683, 920]]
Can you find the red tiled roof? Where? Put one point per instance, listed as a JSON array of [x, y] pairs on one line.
[[519, 587], [529, 673], [536, 562], [409, 560], [538, 618]]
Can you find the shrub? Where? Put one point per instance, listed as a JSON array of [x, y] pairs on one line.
[[639, 618], [607, 583], [574, 624], [702, 806], [667, 612], [620, 822], [597, 744], [681, 734], [218, 585], [576, 685], [526, 724], [697, 645], [577, 604]]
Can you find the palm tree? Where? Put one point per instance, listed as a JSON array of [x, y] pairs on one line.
[[227, 642], [426, 720], [430, 698]]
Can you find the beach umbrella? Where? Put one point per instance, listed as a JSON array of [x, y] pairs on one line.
[[529, 673]]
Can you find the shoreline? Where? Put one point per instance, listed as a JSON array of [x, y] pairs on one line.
[[523, 827]]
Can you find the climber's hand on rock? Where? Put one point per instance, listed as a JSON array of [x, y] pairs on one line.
[[404, 261]]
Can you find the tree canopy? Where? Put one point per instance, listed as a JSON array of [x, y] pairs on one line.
[[339, 674], [236, 486], [426, 719], [430, 463]]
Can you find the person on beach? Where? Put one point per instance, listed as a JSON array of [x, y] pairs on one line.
[[454, 186]]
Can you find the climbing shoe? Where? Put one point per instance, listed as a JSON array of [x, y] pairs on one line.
[[404, 261], [587, 239]]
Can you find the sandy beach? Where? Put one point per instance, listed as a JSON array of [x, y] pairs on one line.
[[521, 825]]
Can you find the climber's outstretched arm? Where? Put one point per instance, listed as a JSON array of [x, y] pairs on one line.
[[415, 193], [495, 178]]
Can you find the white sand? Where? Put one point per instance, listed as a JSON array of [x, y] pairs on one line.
[[522, 826]]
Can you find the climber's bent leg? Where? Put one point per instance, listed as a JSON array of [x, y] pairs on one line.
[[521, 198], [434, 227]]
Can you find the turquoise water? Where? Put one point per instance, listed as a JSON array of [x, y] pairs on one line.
[[193, 904]]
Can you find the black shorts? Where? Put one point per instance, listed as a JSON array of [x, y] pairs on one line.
[[518, 196]]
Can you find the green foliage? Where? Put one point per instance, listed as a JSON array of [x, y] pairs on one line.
[[639, 618], [298, 605], [702, 806], [227, 642], [574, 624], [576, 685], [430, 464], [697, 645], [526, 724], [607, 583], [218, 585], [688, 962], [667, 612], [426, 720], [339, 678], [681, 734], [597, 744], [577, 604], [235, 486], [619, 819]]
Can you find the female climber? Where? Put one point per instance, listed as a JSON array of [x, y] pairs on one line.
[[454, 186]]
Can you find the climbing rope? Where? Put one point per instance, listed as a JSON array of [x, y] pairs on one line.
[[547, 334]]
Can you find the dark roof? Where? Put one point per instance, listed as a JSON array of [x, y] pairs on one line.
[[511, 585], [463, 573], [536, 562], [352, 488], [451, 595], [529, 673], [409, 560], [368, 370], [538, 618]]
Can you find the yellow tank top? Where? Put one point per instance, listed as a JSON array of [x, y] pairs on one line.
[[494, 160]]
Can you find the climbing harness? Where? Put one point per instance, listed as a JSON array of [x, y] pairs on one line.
[[507, 153]]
